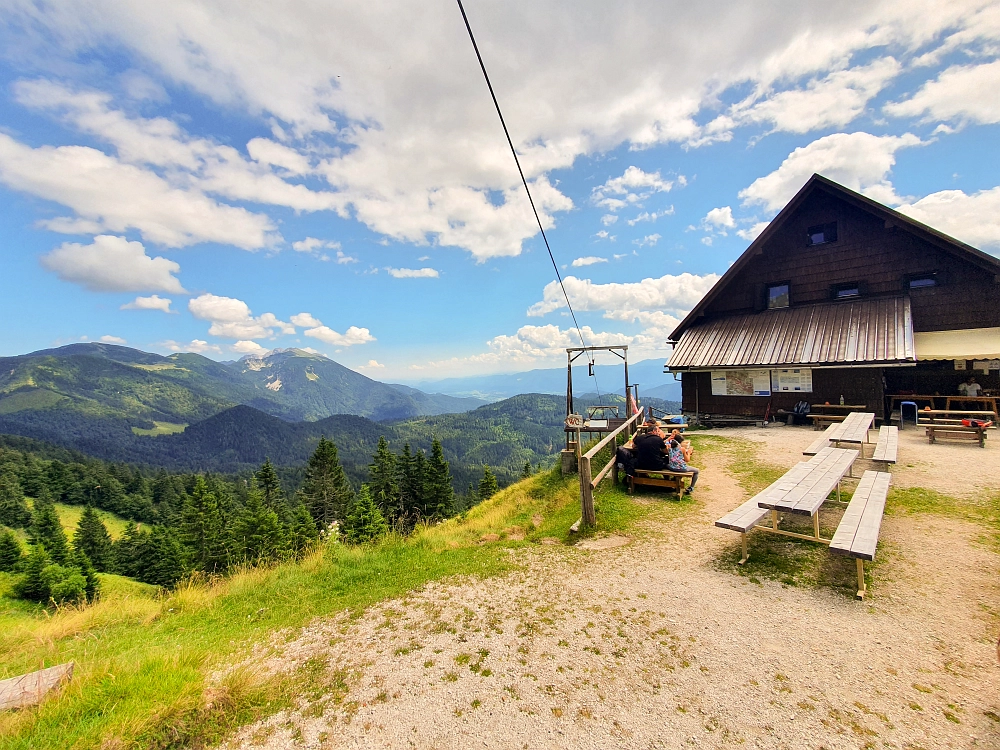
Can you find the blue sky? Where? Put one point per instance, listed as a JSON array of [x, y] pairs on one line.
[[230, 177]]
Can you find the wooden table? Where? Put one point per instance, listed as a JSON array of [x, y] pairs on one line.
[[930, 415], [854, 429], [804, 488], [915, 398], [977, 400], [837, 407], [956, 431]]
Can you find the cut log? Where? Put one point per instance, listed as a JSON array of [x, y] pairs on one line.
[[29, 689]]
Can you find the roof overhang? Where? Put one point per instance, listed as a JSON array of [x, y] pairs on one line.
[[966, 343], [860, 333]]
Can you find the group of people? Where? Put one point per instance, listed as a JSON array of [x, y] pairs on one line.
[[655, 451]]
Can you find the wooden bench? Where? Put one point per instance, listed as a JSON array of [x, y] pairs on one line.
[[823, 441], [819, 419], [857, 534], [956, 432], [887, 446], [742, 520], [671, 480]]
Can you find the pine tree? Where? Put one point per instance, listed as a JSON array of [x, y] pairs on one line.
[[270, 487], [13, 510], [124, 551], [488, 486], [203, 529], [440, 501], [365, 522], [405, 470], [159, 558], [383, 480], [526, 472], [418, 487], [10, 551], [258, 531], [471, 498], [92, 586], [302, 530], [46, 530], [92, 539], [33, 586], [326, 491]]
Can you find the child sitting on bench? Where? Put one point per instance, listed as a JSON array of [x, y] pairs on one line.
[[676, 462]]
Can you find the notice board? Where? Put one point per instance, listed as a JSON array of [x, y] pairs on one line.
[[741, 382], [792, 381]]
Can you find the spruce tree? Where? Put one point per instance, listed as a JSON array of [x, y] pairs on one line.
[[383, 480], [48, 531], [405, 471], [203, 529], [418, 487], [488, 486], [526, 472], [326, 491], [302, 530], [92, 539], [10, 551], [440, 501], [365, 522], [159, 558], [124, 551], [33, 586], [92, 585], [270, 487], [259, 534], [13, 510], [471, 498]]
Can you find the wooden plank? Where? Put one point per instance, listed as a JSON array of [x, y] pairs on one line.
[[843, 537], [742, 518], [866, 538], [29, 689], [887, 447], [823, 441]]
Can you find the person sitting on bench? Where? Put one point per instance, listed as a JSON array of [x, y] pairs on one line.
[[651, 449], [686, 450], [676, 462]]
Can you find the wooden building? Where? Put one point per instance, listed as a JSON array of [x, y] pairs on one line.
[[840, 296]]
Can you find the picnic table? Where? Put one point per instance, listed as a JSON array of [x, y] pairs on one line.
[[977, 400], [953, 415], [854, 429]]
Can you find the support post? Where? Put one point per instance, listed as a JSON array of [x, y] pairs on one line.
[[862, 589], [745, 555], [586, 493]]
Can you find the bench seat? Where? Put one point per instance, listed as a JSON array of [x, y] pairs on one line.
[[857, 534], [887, 447], [956, 432], [664, 478], [823, 441], [743, 519]]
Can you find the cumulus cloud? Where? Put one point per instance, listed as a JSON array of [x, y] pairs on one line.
[[624, 301], [231, 318], [974, 219], [719, 218], [859, 161], [153, 302], [351, 337], [609, 219], [249, 347], [312, 244], [962, 93], [649, 240], [108, 339], [113, 264], [413, 273], [588, 260], [753, 232], [196, 345], [632, 187], [372, 365], [650, 216]]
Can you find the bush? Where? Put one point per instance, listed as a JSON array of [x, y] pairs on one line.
[[45, 581]]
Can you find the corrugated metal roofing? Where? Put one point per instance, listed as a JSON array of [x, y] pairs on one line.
[[866, 331]]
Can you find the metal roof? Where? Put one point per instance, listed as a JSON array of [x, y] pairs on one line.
[[865, 331]]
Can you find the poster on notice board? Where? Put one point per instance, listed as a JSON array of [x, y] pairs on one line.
[[741, 382]]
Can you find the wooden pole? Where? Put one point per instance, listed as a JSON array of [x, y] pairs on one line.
[[586, 494]]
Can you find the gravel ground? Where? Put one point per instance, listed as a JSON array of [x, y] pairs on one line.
[[650, 642]]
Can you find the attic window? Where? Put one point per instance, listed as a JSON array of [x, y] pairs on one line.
[[821, 234], [847, 291], [777, 295], [923, 281]]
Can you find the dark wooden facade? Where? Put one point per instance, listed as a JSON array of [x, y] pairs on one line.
[[878, 250]]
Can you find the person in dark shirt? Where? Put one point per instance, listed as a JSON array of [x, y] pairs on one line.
[[650, 451]]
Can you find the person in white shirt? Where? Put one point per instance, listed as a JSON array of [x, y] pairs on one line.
[[970, 388]]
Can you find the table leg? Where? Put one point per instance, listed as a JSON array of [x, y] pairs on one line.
[[862, 589], [816, 525], [774, 519], [745, 555]]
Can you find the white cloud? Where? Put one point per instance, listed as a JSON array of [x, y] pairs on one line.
[[197, 345], [962, 93], [108, 339], [632, 187], [609, 219], [650, 216], [351, 337], [111, 196], [343, 258], [372, 365], [707, 240], [624, 301], [753, 232], [603, 234], [305, 320], [113, 264], [588, 261], [153, 302], [422, 258], [231, 318], [859, 161], [312, 244], [413, 273], [974, 219], [249, 347], [719, 218], [648, 240]]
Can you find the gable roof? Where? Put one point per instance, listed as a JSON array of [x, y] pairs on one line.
[[819, 183]]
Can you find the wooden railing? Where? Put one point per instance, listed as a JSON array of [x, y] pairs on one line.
[[588, 485]]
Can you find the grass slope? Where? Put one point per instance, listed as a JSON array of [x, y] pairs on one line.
[[144, 660]]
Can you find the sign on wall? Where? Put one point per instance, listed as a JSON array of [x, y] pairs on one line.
[[792, 381], [741, 382]]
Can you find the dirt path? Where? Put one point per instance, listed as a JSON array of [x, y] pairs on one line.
[[652, 644]]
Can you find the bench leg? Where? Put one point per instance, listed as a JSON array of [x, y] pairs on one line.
[[774, 519], [861, 577], [745, 555], [816, 524]]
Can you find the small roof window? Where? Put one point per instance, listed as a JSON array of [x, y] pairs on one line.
[[821, 234], [922, 281], [778, 295], [847, 291]]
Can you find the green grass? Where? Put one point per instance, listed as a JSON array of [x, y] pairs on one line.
[[29, 399], [161, 428], [69, 517], [143, 658]]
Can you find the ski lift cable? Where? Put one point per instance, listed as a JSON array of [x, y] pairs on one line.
[[524, 181]]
